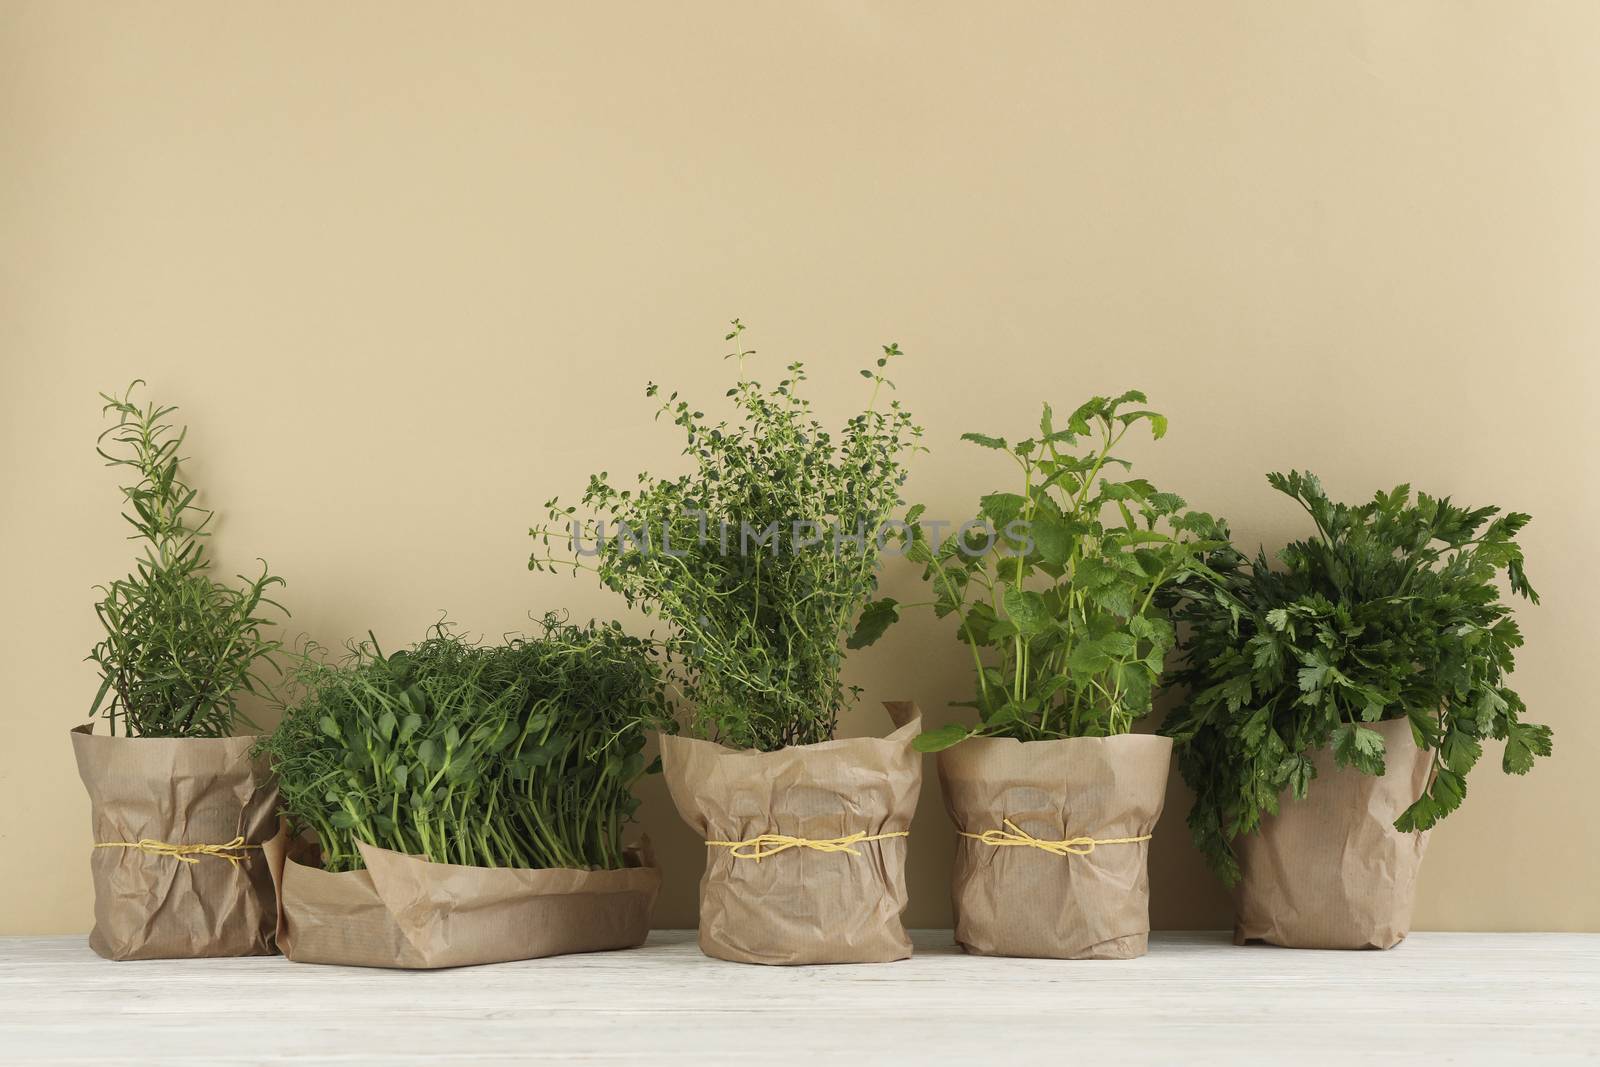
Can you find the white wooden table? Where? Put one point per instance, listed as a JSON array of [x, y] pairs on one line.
[[1487, 998]]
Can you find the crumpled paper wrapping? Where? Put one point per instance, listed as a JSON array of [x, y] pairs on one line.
[[1331, 871], [801, 905], [405, 912], [180, 791], [1016, 900]]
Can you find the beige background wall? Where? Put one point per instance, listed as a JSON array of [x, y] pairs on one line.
[[407, 267]]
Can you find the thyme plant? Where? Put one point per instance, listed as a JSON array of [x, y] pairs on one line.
[[756, 559], [179, 646], [1392, 610], [1054, 587], [514, 755]]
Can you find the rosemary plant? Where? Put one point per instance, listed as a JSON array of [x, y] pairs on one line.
[[514, 755], [758, 558], [178, 647]]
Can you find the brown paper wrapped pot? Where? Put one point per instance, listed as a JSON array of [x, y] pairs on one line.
[[1331, 871], [1016, 900], [405, 912], [179, 791], [801, 905]]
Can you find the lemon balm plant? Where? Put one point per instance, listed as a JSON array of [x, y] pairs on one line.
[[1054, 586], [1055, 589]]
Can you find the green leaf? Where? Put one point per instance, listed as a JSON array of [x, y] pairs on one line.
[[1255, 728], [1460, 751], [1489, 705], [1052, 685], [1027, 611], [1315, 674], [876, 617], [1449, 790], [985, 440], [1300, 776], [1009, 712], [1424, 728], [1118, 645], [1420, 816], [1001, 508], [940, 739], [1052, 539], [1158, 423], [1359, 747], [1524, 742], [1088, 657]]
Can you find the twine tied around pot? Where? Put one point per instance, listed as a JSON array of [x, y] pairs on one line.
[[763, 845], [1014, 835], [185, 853]]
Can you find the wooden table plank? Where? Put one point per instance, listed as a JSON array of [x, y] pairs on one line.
[[1438, 997]]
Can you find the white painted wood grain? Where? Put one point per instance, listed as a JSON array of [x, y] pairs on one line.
[[1479, 998]]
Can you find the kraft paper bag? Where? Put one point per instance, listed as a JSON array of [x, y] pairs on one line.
[[154, 799], [798, 904], [403, 911], [1089, 898], [1331, 871]]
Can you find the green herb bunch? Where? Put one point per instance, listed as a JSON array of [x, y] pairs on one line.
[[1391, 611], [755, 613], [1054, 587], [514, 755], [178, 647]]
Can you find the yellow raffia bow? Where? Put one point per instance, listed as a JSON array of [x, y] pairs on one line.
[[1072, 846], [185, 853], [759, 847]]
